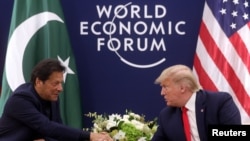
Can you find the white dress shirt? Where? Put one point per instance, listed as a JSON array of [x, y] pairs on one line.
[[190, 105]]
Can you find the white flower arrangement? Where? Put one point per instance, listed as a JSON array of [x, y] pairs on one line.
[[129, 127]]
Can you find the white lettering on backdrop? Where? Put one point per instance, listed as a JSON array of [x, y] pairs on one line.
[[132, 28]]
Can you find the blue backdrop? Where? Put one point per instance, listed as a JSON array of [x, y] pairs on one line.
[[121, 47]]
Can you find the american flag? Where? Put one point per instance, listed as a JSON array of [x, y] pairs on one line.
[[222, 58]]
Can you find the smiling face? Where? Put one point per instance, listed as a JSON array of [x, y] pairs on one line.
[[51, 88]]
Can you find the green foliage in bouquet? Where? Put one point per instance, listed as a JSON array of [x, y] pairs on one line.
[[129, 127]]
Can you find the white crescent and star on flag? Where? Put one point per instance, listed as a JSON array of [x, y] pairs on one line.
[[16, 47]]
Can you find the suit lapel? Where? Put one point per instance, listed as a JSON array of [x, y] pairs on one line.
[[179, 125], [173, 125], [55, 111], [200, 114]]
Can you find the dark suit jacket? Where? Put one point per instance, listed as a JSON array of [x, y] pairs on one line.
[[24, 119], [211, 108]]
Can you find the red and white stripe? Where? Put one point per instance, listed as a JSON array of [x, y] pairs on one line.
[[222, 63]]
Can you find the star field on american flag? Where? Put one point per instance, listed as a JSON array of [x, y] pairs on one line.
[[232, 13]]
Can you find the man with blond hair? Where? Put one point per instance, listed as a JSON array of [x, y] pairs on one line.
[[181, 90]]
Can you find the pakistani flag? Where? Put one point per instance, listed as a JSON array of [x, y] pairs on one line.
[[38, 31]]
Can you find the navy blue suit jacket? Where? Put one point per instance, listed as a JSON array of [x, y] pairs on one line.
[[24, 119], [211, 109]]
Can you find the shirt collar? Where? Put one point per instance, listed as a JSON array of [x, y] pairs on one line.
[[190, 105]]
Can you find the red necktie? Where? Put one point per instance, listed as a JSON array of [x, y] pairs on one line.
[[186, 123]]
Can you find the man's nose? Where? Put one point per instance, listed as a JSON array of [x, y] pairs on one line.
[[162, 92], [60, 87]]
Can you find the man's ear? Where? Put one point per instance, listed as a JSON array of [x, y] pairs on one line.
[[183, 88], [38, 82]]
